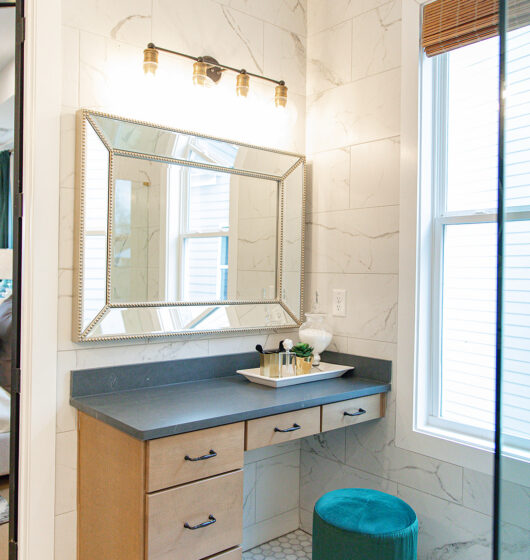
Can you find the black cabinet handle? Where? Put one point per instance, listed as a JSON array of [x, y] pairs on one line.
[[211, 521], [202, 457], [293, 429], [361, 411]]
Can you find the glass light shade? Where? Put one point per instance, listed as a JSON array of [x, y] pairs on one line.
[[242, 84], [200, 76], [150, 61], [280, 96]]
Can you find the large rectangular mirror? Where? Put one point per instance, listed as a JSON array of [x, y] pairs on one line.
[[179, 233]]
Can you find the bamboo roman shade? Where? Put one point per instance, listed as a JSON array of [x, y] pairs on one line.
[[449, 24]]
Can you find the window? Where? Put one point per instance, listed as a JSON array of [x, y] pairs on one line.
[[459, 177], [205, 220]]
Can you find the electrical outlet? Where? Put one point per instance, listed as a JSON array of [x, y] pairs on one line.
[[339, 303]]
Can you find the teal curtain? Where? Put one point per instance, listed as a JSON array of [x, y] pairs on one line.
[[5, 200]]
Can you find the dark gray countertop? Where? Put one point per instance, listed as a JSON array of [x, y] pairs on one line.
[[151, 412]]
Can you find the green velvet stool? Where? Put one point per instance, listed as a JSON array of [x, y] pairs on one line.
[[359, 524]]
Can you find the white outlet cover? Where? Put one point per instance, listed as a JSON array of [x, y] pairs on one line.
[[339, 303]]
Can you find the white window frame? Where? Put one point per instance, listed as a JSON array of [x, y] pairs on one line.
[[185, 234], [415, 287]]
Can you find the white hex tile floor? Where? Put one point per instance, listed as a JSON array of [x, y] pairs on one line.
[[293, 546]]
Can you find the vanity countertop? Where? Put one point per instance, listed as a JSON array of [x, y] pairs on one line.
[[158, 410]]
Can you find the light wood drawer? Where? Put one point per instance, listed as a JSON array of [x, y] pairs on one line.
[[338, 415], [220, 497], [234, 554], [168, 466], [282, 427]]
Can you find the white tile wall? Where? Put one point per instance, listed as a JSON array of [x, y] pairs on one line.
[[353, 143], [102, 69]]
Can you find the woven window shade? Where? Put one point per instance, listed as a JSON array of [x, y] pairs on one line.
[[450, 24]]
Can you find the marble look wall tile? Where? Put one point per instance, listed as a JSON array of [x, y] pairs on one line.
[[111, 77], [329, 58], [366, 451], [375, 173], [376, 44], [329, 181], [285, 57], [66, 536], [65, 472], [319, 475], [70, 67], [269, 529], [478, 491], [448, 531], [331, 445], [127, 353], [210, 28], [277, 488], [64, 324], [66, 415], [249, 495], [515, 498], [66, 279], [361, 111], [288, 14], [66, 228], [373, 349], [371, 303], [354, 241], [306, 521], [515, 542], [322, 14], [262, 453], [129, 21], [338, 344]]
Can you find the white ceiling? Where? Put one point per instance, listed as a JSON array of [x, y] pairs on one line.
[[7, 36]]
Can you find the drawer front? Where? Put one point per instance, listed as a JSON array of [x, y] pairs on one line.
[[234, 554], [337, 415], [186, 457], [282, 427], [219, 498]]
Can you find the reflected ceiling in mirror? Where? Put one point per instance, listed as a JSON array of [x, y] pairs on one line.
[[181, 233]]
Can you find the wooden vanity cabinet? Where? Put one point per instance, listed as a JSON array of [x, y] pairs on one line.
[[181, 497]]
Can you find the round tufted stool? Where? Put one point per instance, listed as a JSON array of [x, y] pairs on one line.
[[359, 524]]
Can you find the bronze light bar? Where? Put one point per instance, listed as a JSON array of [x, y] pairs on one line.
[[206, 68]]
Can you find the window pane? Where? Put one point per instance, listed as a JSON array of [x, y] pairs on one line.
[[517, 130], [468, 324], [205, 268], [516, 332], [473, 121], [209, 200]]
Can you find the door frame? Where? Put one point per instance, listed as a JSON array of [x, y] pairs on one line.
[[41, 108]]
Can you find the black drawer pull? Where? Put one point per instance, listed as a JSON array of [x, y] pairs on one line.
[[211, 521], [361, 411], [293, 429], [203, 457]]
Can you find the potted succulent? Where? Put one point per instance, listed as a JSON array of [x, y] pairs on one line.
[[304, 357]]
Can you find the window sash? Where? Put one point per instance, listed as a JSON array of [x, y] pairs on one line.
[[434, 109]]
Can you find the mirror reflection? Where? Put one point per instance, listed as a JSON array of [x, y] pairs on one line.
[[192, 234], [181, 233]]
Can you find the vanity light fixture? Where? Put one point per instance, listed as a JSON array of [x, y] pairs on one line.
[[207, 71]]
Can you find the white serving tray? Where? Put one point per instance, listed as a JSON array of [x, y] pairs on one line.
[[318, 373]]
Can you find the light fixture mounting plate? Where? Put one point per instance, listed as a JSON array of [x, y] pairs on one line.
[[214, 72]]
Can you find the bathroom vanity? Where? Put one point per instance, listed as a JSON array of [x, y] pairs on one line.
[[161, 448]]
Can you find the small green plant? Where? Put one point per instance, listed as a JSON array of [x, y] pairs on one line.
[[302, 350]]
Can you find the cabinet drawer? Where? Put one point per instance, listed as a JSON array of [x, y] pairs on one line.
[[282, 427], [234, 554], [186, 457], [219, 498], [337, 415]]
